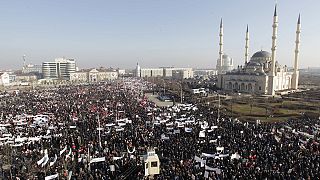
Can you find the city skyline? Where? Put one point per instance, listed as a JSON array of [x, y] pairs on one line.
[[179, 33]]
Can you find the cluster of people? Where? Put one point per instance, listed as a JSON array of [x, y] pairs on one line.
[[102, 131]]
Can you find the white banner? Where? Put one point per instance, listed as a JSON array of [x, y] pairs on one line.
[[217, 170], [120, 129], [63, 150], [121, 124], [52, 177], [220, 148], [54, 160], [112, 168], [202, 134], [117, 158], [213, 141], [41, 160], [69, 175], [188, 130], [208, 155], [109, 125], [101, 159], [235, 156], [163, 136], [45, 160], [198, 159], [223, 155]]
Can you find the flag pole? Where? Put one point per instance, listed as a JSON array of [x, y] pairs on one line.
[[99, 131]]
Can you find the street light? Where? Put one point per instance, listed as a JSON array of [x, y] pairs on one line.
[[181, 98], [164, 87]]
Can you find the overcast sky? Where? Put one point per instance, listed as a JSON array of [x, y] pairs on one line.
[[180, 33]]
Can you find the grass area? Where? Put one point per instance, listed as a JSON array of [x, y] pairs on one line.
[[246, 109], [276, 110]]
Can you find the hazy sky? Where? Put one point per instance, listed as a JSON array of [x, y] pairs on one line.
[[120, 33]]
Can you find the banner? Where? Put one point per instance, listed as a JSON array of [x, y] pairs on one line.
[[112, 168], [109, 125], [101, 159], [217, 170], [54, 160], [163, 136], [188, 130], [235, 156], [220, 148], [117, 158], [120, 129], [202, 134], [69, 175], [52, 177], [213, 141], [41, 160], [45, 160], [63, 150], [122, 124], [223, 155], [208, 155], [198, 159]]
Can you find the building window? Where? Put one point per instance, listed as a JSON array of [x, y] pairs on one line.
[[154, 164], [259, 88]]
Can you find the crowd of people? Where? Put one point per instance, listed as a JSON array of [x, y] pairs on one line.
[[101, 131]]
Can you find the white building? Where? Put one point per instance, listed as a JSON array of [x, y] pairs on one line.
[[93, 75], [59, 69], [262, 74], [151, 72], [4, 79], [169, 71], [32, 68], [163, 72], [79, 76], [121, 72], [182, 74], [26, 77], [205, 72]]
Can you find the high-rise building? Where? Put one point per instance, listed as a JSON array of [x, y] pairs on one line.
[[59, 69]]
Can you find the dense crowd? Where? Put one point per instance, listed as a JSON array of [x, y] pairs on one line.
[[101, 131]]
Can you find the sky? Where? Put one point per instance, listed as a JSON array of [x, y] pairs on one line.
[[179, 33]]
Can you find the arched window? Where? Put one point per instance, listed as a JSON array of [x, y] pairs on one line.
[[250, 87], [236, 86], [242, 87]]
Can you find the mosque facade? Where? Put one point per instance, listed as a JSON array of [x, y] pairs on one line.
[[262, 74]]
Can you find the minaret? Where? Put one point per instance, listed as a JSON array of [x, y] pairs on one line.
[[295, 75], [272, 73], [274, 41], [138, 69], [246, 54], [221, 47]]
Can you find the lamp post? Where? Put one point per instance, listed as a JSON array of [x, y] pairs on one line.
[[164, 87], [181, 97], [218, 108], [99, 131]]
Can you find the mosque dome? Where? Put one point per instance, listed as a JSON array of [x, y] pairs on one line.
[[261, 57], [252, 63], [227, 60], [261, 54]]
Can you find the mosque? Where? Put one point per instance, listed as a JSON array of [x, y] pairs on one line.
[[263, 74]]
